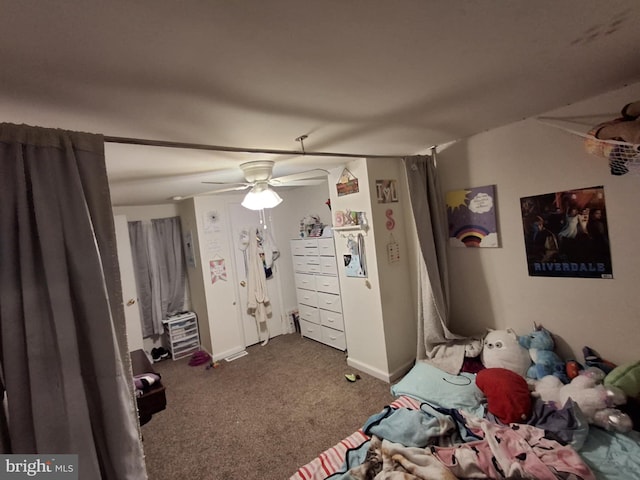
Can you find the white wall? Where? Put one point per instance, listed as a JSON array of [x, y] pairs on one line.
[[396, 298], [361, 297], [490, 287], [147, 212]]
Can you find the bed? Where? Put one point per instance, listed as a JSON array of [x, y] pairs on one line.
[[440, 426]]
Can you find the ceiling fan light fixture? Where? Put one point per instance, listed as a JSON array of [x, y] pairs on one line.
[[261, 196]]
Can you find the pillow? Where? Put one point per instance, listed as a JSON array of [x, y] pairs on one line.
[[427, 383], [626, 377], [507, 394]]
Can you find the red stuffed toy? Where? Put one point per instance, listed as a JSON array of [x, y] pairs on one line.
[[507, 394]]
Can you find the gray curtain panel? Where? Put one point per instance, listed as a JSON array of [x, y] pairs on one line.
[[436, 344], [167, 240], [158, 260], [141, 266], [64, 359]]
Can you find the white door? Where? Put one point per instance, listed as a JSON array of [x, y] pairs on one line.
[[243, 219], [129, 290]]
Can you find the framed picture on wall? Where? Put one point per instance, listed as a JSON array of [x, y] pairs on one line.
[[566, 234]]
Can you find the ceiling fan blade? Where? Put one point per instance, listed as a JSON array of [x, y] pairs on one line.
[[244, 184], [228, 189], [213, 192], [299, 183], [309, 174]]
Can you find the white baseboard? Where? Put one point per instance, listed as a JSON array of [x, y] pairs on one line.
[[384, 376], [227, 353], [398, 373], [374, 372]]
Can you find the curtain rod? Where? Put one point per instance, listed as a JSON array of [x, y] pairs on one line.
[[217, 148]]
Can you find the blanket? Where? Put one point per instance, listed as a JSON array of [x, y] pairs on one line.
[[435, 444]]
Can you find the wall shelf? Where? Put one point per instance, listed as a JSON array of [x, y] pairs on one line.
[[352, 228]]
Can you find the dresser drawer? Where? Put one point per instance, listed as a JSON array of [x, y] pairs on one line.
[[306, 264], [310, 243], [306, 281], [331, 319], [328, 266], [311, 330], [329, 301], [309, 314], [334, 338], [326, 284], [325, 247], [313, 264], [297, 248], [299, 263], [307, 297]]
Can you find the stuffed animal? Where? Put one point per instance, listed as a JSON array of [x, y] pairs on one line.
[[541, 350], [625, 128], [608, 139], [596, 401], [502, 350]]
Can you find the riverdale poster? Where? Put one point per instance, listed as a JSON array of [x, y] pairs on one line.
[[566, 234]]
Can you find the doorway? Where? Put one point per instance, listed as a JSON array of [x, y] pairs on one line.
[[244, 220]]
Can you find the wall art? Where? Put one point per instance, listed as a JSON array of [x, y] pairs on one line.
[[387, 191], [347, 183], [566, 234], [471, 213]]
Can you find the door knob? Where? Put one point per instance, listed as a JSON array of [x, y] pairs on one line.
[[131, 302], [243, 283]]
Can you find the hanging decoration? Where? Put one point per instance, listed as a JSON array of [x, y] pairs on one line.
[[355, 261], [391, 223], [347, 183], [189, 251], [210, 222], [218, 270], [393, 250], [387, 191]]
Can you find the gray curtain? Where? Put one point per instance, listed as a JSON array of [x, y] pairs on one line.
[[158, 260], [436, 344], [64, 360]]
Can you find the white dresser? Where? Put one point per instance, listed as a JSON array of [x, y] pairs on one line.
[[318, 291]]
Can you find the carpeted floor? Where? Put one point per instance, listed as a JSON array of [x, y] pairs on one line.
[[260, 416]]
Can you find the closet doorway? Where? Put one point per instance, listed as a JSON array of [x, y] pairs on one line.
[[244, 220]]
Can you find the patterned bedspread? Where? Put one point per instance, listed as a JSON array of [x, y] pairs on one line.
[[409, 440], [330, 461]]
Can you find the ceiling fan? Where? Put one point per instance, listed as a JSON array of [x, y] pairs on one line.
[[259, 177]]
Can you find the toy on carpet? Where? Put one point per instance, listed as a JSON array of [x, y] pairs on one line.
[[596, 401], [541, 351], [502, 350]]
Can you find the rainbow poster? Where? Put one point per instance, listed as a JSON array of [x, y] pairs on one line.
[[471, 213]]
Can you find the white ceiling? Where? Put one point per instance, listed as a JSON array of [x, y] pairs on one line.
[[357, 76]]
